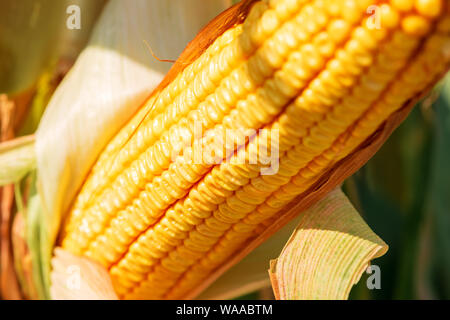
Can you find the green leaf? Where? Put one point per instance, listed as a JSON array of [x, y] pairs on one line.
[[33, 35], [17, 158], [439, 274], [34, 241]]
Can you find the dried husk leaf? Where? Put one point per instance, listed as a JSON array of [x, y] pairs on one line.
[[22, 258], [327, 253]]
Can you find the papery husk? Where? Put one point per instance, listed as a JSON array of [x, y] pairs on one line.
[[110, 80], [327, 253], [38, 28], [28, 39]]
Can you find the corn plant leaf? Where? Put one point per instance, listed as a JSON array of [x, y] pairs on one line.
[[34, 34], [34, 240], [24, 57], [439, 269], [327, 253], [17, 158]]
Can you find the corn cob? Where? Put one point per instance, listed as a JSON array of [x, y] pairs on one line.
[[314, 74]]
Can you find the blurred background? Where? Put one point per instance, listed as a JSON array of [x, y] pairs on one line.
[[403, 193]]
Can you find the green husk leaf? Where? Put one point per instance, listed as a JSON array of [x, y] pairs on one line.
[[17, 158], [438, 274], [34, 241]]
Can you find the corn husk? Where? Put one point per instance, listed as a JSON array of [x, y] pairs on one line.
[[327, 253]]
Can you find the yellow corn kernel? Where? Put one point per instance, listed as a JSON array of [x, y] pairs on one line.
[[314, 75]]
